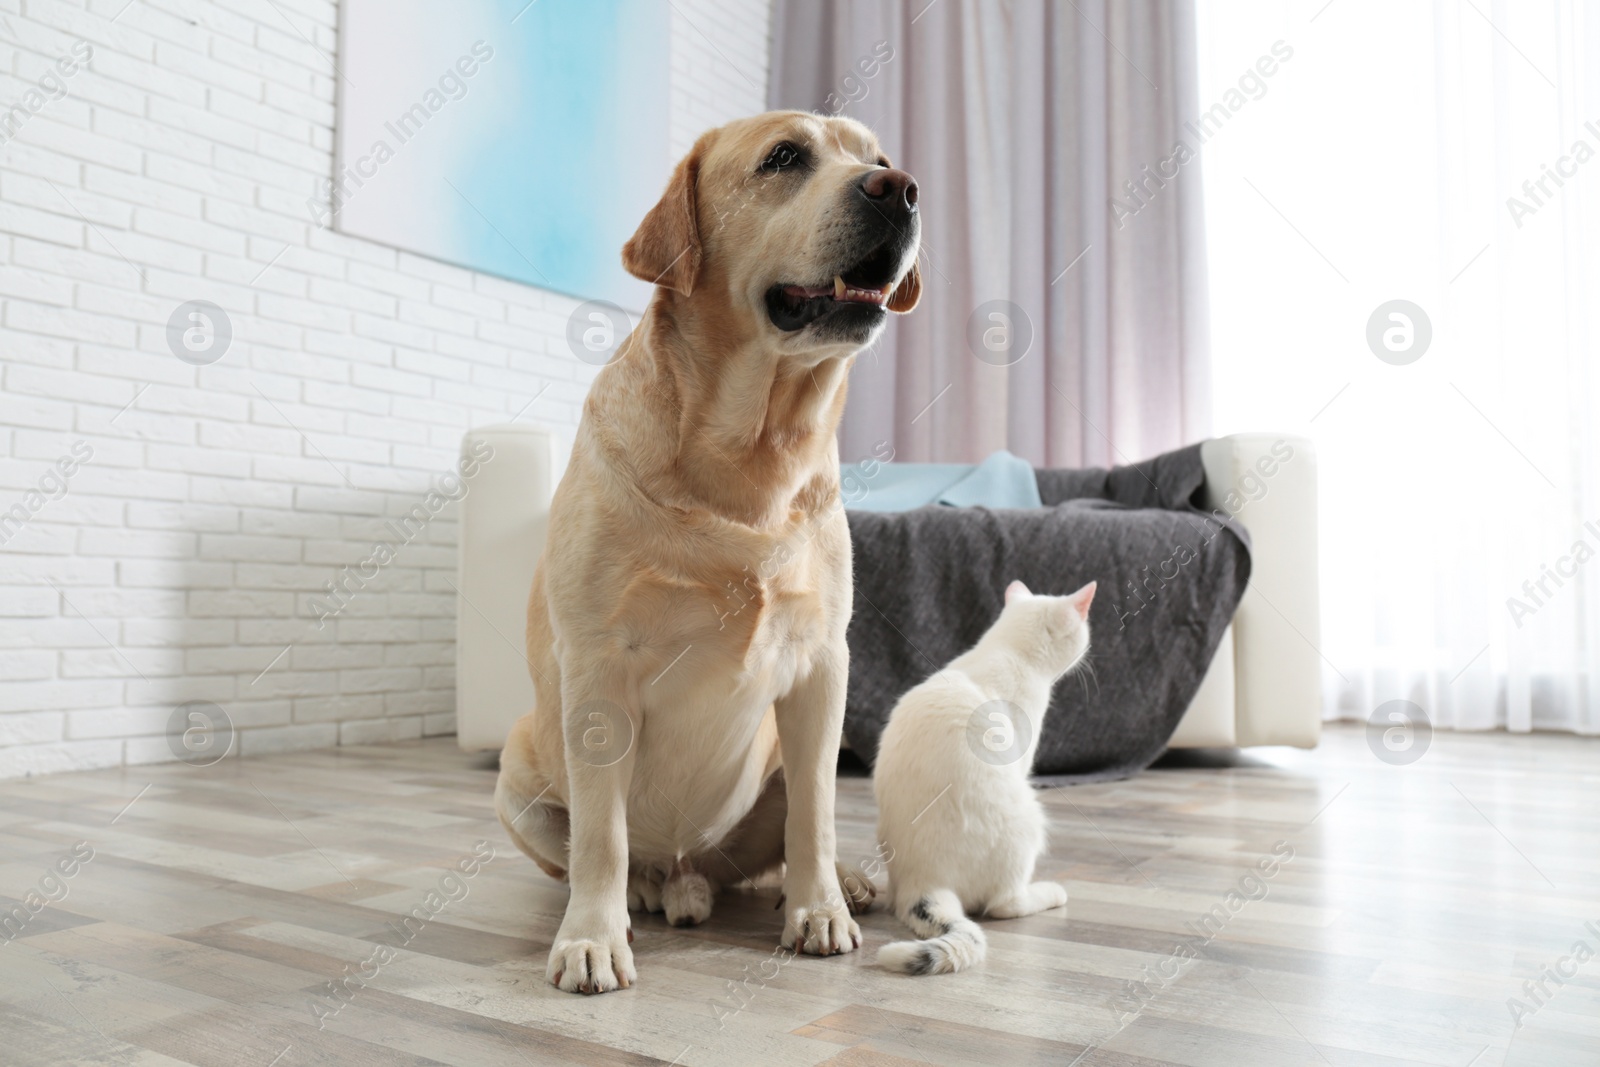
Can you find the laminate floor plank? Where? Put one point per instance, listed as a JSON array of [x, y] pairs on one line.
[[1274, 907]]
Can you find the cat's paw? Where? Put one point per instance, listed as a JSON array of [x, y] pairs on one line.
[[1029, 900]]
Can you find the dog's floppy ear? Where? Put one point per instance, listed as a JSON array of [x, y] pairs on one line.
[[665, 250], [908, 292]]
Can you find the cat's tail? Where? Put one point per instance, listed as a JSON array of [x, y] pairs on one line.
[[950, 940]]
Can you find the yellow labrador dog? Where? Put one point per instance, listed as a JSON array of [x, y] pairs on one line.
[[686, 627]]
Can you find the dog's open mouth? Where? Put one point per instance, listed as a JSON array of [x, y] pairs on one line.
[[864, 288]]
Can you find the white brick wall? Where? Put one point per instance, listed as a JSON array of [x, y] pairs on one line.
[[183, 558]]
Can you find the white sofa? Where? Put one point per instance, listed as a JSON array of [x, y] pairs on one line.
[[1263, 687]]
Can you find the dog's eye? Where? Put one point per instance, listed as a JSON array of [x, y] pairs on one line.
[[883, 161], [784, 155]]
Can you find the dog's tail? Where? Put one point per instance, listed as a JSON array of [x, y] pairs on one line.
[[950, 940]]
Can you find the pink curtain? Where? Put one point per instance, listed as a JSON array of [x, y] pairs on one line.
[[1063, 307]]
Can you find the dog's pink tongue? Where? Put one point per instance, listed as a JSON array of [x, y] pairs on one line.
[[807, 292]]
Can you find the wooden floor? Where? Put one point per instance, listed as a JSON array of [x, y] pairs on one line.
[[221, 902]]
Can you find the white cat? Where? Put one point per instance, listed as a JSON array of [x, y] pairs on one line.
[[959, 821]]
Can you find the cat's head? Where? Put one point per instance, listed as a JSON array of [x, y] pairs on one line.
[[1053, 630]]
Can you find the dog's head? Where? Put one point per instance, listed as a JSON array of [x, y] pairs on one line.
[[790, 225]]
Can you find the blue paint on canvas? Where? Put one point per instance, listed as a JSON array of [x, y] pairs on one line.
[[544, 163]]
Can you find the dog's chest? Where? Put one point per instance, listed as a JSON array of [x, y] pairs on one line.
[[787, 634], [767, 629], [736, 638], [717, 644]]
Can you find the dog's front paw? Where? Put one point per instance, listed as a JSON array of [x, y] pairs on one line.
[[592, 964], [822, 929]]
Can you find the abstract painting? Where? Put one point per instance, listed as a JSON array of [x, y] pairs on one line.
[[520, 139]]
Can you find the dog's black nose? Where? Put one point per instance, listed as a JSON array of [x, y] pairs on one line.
[[892, 187]]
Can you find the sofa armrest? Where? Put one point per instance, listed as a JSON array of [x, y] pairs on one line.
[[1268, 482], [503, 520]]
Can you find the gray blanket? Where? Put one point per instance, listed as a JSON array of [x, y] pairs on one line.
[[929, 582]]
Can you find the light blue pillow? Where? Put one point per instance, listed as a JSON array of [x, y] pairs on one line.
[[1001, 481]]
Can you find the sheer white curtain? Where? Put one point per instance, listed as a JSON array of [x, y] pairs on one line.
[[1024, 122], [1460, 491]]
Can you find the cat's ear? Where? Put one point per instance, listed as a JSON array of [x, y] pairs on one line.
[[1016, 591], [1081, 600]]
